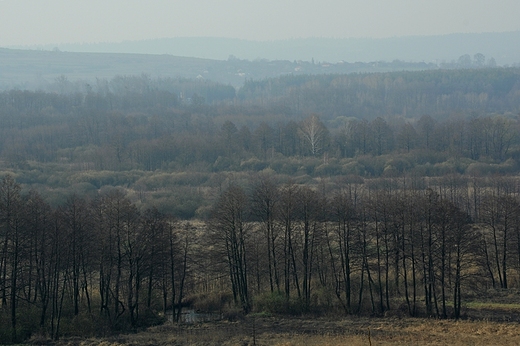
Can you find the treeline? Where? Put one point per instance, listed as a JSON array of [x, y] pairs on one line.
[[121, 93], [89, 267], [139, 135], [410, 245], [407, 94], [184, 140], [407, 245], [140, 123]]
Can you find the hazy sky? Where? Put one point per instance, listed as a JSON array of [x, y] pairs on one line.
[[34, 22]]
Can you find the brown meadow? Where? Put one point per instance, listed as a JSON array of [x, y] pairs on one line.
[[321, 331]]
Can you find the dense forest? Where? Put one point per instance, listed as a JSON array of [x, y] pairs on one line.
[[353, 194], [165, 137]]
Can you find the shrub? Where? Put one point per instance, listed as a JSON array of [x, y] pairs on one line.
[[277, 303], [208, 302], [224, 164], [353, 168], [328, 169], [181, 203], [84, 325], [271, 302], [308, 165], [149, 318], [253, 164]]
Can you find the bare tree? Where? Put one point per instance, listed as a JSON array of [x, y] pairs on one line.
[[11, 232], [75, 218], [287, 218], [313, 133], [229, 228], [264, 203], [344, 215]]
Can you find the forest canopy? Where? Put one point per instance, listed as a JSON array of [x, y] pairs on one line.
[[145, 133]]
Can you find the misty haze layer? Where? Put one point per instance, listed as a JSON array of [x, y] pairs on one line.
[[503, 47]]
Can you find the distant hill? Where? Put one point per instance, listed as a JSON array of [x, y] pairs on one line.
[[37, 69], [504, 47], [233, 61]]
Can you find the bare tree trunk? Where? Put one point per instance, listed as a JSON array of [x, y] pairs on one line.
[[184, 269]]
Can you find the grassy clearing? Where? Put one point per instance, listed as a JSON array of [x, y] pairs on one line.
[[489, 305], [320, 331]]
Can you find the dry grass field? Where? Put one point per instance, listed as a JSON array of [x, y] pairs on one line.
[[494, 319], [321, 331]]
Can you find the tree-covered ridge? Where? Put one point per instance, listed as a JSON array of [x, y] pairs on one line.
[[407, 94]]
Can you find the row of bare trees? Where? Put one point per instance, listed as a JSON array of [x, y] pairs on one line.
[[63, 128], [100, 258], [356, 247], [410, 244], [366, 96]]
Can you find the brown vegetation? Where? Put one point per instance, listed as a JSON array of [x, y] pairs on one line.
[[364, 218], [320, 331]]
